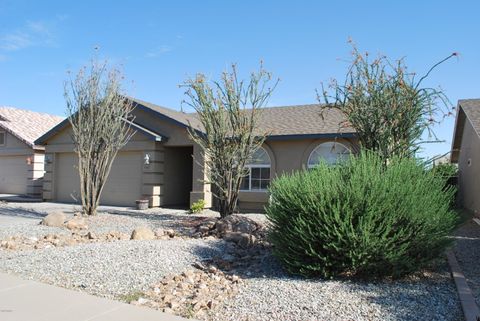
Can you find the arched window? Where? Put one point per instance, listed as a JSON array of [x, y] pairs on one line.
[[258, 177], [330, 152]]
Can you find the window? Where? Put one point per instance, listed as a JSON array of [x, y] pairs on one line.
[[330, 152], [2, 138], [258, 177]]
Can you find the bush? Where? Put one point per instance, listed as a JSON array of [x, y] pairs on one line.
[[197, 206], [446, 170], [360, 218]]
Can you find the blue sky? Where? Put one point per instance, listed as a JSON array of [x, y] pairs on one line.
[[161, 43]]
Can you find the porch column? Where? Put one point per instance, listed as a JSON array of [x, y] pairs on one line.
[[200, 190]]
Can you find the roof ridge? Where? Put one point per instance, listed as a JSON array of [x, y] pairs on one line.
[[30, 111]]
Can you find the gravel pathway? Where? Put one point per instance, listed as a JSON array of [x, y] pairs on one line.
[[467, 251]]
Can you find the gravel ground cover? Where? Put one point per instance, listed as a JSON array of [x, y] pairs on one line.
[[285, 298], [119, 268], [109, 270], [467, 251]]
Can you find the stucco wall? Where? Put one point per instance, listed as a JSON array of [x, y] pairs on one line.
[[177, 135], [28, 164], [152, 173], [286, 156], [469, 169]]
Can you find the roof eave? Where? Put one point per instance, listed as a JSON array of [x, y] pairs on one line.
[[306, 136]]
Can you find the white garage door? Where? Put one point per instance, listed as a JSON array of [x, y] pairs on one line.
[[123, 185], [13, 174]]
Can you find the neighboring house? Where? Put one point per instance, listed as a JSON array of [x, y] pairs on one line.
[[157, 164], [21, 161], [466, 152]]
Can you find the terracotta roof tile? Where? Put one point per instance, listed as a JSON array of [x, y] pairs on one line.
[[26, 125]]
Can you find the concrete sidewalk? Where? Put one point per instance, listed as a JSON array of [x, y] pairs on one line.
[[22, 300]]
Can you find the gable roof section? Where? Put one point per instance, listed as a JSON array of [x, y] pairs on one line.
[[288, 122], [277, 122], [26, 125], [468, 109], [147, 132]]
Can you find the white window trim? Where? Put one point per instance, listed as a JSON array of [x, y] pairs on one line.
[[4, 138], [250, 166], [250, 178], [316, 147]]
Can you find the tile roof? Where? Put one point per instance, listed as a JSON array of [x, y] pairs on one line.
[[26, 125], [275, 121]]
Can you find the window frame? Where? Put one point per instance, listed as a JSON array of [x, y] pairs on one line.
[[4, 133], [249, 176], [324, 143]]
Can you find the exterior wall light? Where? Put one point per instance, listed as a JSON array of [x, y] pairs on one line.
[[146, 159]]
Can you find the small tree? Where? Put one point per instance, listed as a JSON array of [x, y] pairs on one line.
[[98, 114], [386, 105], [229, 111]]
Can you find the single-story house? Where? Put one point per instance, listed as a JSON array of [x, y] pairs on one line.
[[157, 163], [21, 160], [466, 153]]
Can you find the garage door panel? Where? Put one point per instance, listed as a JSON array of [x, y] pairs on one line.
[[123, 185], [13, 175]]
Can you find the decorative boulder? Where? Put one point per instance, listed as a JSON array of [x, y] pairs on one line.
[[236, 223], [242, 239], [142, 233], [77, 223], [55, 219]]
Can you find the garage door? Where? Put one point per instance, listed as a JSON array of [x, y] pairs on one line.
[[123, 185], [13, 174]]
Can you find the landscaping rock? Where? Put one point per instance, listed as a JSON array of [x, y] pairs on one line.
[[170, 233], [242, 239], [159, 232], [233, 228], [77, 223], [55, 219], [192, 293], [236, 223], [142, 233]]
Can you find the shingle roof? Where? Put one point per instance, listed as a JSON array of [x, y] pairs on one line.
[[177, 116], [471, 107], [467, 109], [275, 121], [26, 125], [302, 120]]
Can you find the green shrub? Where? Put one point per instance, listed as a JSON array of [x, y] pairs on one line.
[[197, 206], [360, 218], [445, 170]]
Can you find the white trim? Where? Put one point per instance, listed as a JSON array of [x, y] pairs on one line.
[[249, 176]]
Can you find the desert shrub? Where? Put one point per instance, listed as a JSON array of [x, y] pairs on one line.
[[445, 170], [360, 218], [197, 206]]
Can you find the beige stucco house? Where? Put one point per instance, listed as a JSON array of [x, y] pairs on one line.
[[21, 160], [157, 164], [466, 152]]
